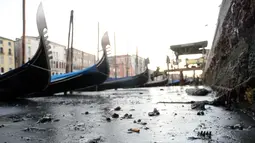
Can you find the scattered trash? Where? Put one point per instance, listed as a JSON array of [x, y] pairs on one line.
[[115, 115], [1, 126], [96, 140], [161, 89], [134, 130], [45, 119], [117, 108], [108, 119], [127, 116], [86, 112], [200, 105], [236, 126], [154, 113], [200, 113], [56, 120], [197, 91], [204, 134], [34, 129]]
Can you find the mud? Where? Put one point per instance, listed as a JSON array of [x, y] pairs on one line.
[[82, 117]]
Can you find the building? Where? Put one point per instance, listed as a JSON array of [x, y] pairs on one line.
[[58, 62], [7, 58], [82, 59], [126, 65]]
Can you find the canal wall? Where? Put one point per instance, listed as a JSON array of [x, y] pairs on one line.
[[231, 60]]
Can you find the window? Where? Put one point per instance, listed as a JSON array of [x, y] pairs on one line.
[[1, 41], [10, 52], [1, 50], [2, 70], [9, 43], [56, 64]]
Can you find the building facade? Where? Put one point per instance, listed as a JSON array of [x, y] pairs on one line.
[[7, 58], [126, 65], [82, 59], [58, 62]]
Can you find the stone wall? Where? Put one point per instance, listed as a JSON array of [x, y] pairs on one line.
[[232, 58]]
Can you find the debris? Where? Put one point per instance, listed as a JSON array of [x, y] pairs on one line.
[[96, 140], [33, 129], [56, 120], [200, 113], [199, 105], [134, 130], [45, 119], [204, 134], [108, 119], [127, 116], [115, 115], [154, 113], [197, 91], [134, 121], [161, 89], [139, 120], [236, 126], [1, 126], [86, 112], [117, 108]]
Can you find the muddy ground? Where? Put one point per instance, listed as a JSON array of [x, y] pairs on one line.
[[83, 117]]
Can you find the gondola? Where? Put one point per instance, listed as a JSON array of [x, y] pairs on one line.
[[155, 83], [126, 82], [33, 76], [90, 76]]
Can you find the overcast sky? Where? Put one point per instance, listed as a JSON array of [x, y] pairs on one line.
[[150, 25]]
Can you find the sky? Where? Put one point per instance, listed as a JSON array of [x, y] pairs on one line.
[[151, 26]]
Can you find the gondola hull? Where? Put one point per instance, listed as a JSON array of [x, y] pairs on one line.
[[33, 76], [94, 75], [91, 76], [156, 83], [128, 82]]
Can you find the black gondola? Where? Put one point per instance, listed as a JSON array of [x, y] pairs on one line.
[[156, 83], [126, 82], [90, 76], [33, 76]]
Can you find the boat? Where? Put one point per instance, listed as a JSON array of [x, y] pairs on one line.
[[90, 76], [156, 83], [34, 75], [125, 82]]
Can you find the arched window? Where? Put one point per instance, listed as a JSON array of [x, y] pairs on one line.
[[2, 70], [56, 64], [1, 50], [10, 52], [53, 73]]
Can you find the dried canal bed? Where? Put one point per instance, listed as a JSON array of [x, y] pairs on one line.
[[82, 117]]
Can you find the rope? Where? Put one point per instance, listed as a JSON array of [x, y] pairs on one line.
[[40, 67]]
